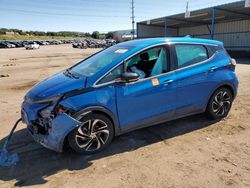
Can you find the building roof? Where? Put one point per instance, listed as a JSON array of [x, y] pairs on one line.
[[223, 13]]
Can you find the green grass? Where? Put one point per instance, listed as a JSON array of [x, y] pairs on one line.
[[27, 37]]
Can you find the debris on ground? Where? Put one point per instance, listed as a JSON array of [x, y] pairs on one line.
[[9, 65], [4, 75]]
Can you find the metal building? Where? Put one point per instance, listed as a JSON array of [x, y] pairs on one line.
[[229, 23]]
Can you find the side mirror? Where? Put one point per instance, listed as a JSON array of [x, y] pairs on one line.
[[130, 77]]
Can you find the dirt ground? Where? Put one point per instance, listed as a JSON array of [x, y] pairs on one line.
[[190, 152]]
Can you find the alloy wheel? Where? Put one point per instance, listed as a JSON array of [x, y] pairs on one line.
[[221, 103], [92, 135]]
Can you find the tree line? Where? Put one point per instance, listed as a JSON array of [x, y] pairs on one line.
[[94, 34]]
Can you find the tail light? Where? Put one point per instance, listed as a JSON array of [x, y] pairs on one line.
[[233, 63]]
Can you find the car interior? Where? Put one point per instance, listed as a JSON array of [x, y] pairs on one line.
[[147, 64], [152, 62]]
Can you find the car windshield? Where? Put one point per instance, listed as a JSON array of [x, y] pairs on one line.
[[95, 63]]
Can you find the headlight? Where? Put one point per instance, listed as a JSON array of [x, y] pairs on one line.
[[47, 112], [46, 100]]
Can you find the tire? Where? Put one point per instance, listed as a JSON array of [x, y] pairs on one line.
[[93, 135], [220, 103]]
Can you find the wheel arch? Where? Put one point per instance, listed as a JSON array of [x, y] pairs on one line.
[[226, 85], [95, 110], [101, 110]]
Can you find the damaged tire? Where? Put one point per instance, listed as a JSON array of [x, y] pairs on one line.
[[93, 135]]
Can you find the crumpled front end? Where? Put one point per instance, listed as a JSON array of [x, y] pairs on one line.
[[49, 132], [60, 127]]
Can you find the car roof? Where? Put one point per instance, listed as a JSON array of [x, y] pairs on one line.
[[154, 41]]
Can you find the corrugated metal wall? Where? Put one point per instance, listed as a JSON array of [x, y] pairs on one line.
[[146, 31], [235, 35]]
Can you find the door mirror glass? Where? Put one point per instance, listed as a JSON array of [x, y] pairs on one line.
[[129, 77]]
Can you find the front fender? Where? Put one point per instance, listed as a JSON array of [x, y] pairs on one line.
[[102, 110]]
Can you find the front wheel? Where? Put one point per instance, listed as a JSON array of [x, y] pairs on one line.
[[93, 134], [220, 103]]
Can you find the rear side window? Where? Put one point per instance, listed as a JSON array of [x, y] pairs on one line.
[[188, 54], [214, 49]]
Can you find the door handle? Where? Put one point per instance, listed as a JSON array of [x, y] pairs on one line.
[[212, 69], [167, 82]]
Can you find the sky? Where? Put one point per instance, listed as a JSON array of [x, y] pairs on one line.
[[89, 15]]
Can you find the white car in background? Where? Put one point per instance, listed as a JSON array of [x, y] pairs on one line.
[[32, 46]]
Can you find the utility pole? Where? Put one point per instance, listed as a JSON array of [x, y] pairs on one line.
[[133, 20], [187, 13]]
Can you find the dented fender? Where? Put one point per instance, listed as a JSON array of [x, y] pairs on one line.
[[60, 128]]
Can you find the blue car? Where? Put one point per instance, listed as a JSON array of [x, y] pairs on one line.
[[128, 86]]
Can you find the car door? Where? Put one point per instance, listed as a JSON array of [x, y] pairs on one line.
[[149, 100], [192, 65]]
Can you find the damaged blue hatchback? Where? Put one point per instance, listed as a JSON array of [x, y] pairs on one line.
[[129, 86]]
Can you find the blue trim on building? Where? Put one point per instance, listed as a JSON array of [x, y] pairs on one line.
[[212, 29], [224, 33], [237, 46], [165, 27]]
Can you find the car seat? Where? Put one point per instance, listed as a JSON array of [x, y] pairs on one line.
[[143, 64], [160, 65]]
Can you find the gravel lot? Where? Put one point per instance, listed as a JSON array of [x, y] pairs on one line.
[[190, 152]]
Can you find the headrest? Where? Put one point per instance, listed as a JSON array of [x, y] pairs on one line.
[[144, 56]]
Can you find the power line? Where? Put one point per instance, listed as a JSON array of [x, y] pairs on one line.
[[62, 14], [55, 8], [65, 14], [133, 19], [67, 8]]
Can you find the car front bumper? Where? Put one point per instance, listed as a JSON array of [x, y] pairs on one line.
[[59, 128]]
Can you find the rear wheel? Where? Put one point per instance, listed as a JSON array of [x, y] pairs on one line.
[[220, 103], [93, 135]]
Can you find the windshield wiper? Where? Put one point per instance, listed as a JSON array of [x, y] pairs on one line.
[[68, 73]]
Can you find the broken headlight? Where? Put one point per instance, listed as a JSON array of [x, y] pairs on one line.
[[62, 109], [48, 111]]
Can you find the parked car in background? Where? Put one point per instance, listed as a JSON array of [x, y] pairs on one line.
[[3, 44], [17, 44], [39, 42], [8, 44], [128, 86], [32, 46], [56, 42], [44, 42], [76, 43], [82, 45]]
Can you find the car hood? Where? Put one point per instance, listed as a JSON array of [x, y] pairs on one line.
[[55, 85]]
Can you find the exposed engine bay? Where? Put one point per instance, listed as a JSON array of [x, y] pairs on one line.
[[50, 125]]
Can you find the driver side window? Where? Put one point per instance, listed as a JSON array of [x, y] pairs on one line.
[[149, 63]]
